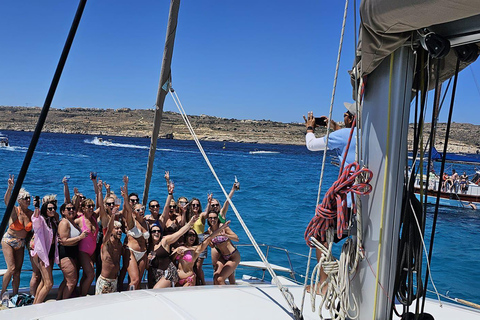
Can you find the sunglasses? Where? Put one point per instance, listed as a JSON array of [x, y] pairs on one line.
[[155, 206], [134, 200], [155, 231], [183, 202], [213, 218], [139, 209], [215, 205], [195, 205], [192, 234], [89, 206], [26, 198], [70, 208], [51, 208], [172, 207], [110, 204]]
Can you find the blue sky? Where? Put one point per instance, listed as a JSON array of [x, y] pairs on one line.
[[235, 59]]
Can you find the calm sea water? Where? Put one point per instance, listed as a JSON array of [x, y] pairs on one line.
[[276, 200]]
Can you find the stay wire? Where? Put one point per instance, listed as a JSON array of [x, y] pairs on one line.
[[285, 292], [43, 115], [339, 54]]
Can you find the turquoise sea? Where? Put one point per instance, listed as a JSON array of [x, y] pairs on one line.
[[276, 199]]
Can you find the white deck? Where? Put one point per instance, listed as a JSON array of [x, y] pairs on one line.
[[206, 302]]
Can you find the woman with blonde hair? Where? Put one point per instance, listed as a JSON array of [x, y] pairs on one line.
[[13, 241]]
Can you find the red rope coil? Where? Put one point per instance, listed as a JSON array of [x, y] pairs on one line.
[[334, 204]]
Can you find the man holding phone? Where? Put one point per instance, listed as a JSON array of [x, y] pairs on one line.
[[338, 139]]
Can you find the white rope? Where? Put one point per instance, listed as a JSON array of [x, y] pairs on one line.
[[335, 290], [286, 294]]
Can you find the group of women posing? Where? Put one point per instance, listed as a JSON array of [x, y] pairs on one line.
[[176, 240]]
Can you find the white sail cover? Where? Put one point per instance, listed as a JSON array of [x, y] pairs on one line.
[[387, 24]]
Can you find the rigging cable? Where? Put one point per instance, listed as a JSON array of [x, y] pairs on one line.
[[43, 116], [442, 168], [285, 292]]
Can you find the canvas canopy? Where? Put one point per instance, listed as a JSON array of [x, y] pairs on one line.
[[386, 25]]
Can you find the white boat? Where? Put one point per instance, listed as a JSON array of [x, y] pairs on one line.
[[4, 142], [263, 152], [383, 122]]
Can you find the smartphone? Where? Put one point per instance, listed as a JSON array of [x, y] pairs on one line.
[[321, 122], [36, 202], [93, 175]]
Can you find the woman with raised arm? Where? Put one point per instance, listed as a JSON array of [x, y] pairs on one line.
[[13, 241], [222, 216], [199, 227], [162, 272], [188, 254], [138, 234], [87, 222], [69, 235], [229, 255], [45, 251]]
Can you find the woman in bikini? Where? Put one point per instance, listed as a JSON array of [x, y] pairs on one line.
[[13, 241], [69, 235], [229, 255], [87, 222], [162, 272], [137, 234], [188, 254], [45, 251]]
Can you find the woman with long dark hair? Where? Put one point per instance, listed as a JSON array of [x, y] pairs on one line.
[[45, 251]]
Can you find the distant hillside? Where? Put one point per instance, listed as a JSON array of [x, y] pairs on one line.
[[138, 123]]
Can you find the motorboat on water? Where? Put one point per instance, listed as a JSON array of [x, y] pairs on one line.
[[4, 142], [456, 194], [375, 279]]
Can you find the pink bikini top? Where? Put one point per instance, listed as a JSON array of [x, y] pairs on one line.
[[187, 257]]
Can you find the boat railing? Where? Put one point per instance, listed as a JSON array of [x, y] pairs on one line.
[[275, 261]]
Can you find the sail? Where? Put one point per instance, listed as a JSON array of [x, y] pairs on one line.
[[388, 24]]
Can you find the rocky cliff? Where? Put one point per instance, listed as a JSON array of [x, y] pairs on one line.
[[138, 123]]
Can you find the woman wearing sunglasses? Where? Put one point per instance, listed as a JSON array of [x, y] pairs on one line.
[[13, 241], [87, 222], [69, 235], [229, 256], [188, 254], [45, 251], [162, 272], [137, 234]]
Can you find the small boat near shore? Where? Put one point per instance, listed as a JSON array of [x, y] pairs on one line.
[[256, 151]]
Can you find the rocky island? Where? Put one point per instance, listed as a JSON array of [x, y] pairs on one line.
[[138, 123]]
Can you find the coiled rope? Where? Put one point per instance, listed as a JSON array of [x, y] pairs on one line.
[[334, 204], [285, 292]]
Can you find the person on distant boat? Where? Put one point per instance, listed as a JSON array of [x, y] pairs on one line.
[[13, 241], [112, 251], [162, 272], [229, 254], [464, 182], [137, 235], [454, 178], [87, 222], [188, 253], [45, 249], [69, 235]]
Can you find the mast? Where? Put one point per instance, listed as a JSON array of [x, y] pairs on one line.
[[385, 118], [163, 87]]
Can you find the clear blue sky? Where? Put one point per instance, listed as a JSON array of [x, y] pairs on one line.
[[271, 59]]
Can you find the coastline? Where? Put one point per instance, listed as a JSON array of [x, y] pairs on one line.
[[464, 137]]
